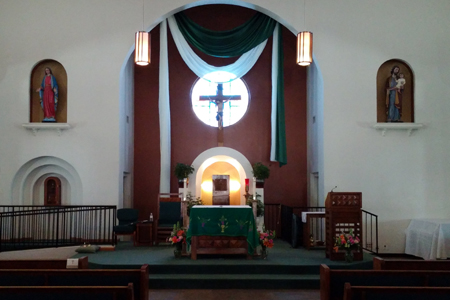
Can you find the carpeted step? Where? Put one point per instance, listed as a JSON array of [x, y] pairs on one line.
[[233, 281]]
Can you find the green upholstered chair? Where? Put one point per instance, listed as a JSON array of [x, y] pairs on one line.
[[128, 218], [169, 213]]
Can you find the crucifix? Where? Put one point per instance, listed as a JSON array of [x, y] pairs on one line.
[[219, 99]]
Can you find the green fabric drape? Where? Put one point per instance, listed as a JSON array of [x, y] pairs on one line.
[[229, 43], [280, 152]]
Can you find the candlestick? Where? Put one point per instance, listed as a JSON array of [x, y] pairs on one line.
[[254, 188]]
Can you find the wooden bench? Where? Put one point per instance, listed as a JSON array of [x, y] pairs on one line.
[[79, 277], [332, 281], [41, 263], [395, 292], [410, 264], [67, 292]]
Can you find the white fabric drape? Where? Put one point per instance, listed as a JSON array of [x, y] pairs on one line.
[[201, 68], [275, 63], [164, 111]]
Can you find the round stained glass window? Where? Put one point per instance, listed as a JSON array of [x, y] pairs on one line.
[[234, 94]]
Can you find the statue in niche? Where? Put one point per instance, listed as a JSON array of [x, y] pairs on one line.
[[394, 88], [48, 95], [395, 92]]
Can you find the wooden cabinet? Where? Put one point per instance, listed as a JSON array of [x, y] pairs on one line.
[[144, 234]]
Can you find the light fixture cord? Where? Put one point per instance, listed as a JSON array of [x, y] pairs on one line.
[[143, 15], [304, 14]]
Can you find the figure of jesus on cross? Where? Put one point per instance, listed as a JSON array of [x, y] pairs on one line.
[[219, 99]]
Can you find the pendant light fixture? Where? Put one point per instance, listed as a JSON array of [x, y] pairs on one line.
[[142, 45], [304, 43]]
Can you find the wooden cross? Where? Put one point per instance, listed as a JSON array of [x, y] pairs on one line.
[[219, 99]]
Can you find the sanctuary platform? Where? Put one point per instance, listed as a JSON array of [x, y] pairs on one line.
[[285, 267]]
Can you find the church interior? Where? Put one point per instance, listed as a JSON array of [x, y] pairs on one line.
[[121, 128]]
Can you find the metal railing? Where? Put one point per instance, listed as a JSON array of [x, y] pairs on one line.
[[287, 222], [32, 227]]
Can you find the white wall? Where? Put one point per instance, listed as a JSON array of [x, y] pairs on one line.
[[400, 177]]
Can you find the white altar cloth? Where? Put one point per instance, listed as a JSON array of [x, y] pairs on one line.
[[428, 238]]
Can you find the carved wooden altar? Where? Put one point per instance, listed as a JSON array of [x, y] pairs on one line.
[[343, 212]]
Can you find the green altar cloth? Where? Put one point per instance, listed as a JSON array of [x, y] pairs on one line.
[[228, 220]]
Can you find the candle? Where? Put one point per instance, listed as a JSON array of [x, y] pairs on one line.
[[254, 188]]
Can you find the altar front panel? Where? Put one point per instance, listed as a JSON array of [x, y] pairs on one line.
[[230, 220]]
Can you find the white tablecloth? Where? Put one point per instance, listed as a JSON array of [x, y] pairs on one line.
[[428, 238], [304, 214]]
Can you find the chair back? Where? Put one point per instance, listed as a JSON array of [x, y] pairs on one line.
[[169, 209], [127, 215]]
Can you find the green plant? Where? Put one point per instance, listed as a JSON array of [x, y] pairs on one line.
[[259, 204], [191, 202], [260, 171], [183, 171]]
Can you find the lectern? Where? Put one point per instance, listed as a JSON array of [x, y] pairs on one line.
[[342, 213]]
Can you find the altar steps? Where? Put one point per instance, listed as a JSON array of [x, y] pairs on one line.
[[234, 277], [284, 268], [234, 281]]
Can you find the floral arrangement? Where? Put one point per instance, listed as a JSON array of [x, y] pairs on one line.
[[178, 235], [266, 238], [347, 242]]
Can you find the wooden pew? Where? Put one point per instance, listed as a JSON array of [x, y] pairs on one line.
[[332, 281], [67, 292], [79, 277], [410, 264], [395, 292], [41, 263]]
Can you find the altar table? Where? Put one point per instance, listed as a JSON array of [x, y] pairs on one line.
[[428, 238], [216, 229]]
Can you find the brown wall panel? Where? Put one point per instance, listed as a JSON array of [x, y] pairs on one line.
[[250, 136]]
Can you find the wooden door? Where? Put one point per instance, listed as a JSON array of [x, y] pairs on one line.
[[52, 191]]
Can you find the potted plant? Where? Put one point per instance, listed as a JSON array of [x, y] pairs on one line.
[[191, 202], [183, 171], [260, 172]]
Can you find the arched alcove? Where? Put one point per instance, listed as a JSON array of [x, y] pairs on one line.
[[219, 154], [156, 174], [28, 183], [400, 96], [36, 79]]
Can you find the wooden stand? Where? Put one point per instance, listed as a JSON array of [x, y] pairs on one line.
[[308, 229], [144, 234], [343, 212]]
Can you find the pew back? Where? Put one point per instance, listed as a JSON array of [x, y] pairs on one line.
[[332, 281], [395, 292], [41, 263], [410, 264], [77, 277], [67, 292]]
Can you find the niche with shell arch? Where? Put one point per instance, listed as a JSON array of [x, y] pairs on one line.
[[37, 75], [395, 104]]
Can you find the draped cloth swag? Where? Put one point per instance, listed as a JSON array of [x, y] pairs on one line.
[[200, 67], [164, 111], [247, 40]]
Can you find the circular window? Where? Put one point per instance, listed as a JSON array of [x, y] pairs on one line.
[[234, 98]]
